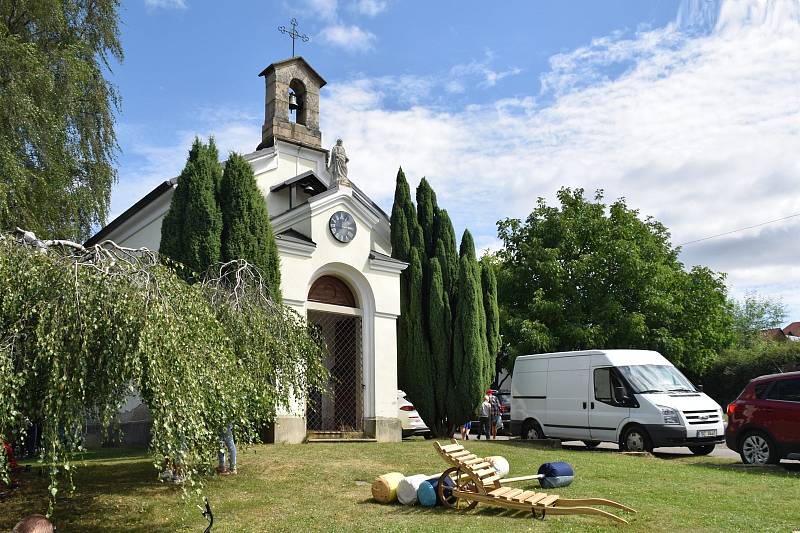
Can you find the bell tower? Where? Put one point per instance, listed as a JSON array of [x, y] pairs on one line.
[[292, 104]]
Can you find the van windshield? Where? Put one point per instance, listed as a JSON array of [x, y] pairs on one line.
[[656, 378]]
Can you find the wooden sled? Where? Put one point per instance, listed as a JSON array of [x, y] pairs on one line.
[[474, 480]]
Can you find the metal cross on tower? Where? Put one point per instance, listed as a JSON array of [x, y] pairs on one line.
[[293, 33]]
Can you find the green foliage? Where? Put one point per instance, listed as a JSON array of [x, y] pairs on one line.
[[446, 252], [440, 335], [401, 249], [753, 314], [426, 211], [246, 229], [192, 228], [734, 368], [492, 314], [469, 342], [57, 138], [590, 275], [415, 375], [82, 328], [445, 382]]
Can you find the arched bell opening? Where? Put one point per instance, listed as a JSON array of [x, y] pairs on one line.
[[332, 308], [297, 102]]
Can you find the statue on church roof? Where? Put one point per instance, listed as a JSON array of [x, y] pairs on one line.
[[337, 164]]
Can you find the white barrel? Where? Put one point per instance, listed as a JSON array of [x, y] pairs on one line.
[[499, 463], [407, 488]]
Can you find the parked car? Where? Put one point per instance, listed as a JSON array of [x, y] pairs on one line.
[[635, 398], [764, 421], [410, 420], [505, 405]]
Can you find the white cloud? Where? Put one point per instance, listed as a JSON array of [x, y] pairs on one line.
[[488, 77], [696, 124], [371, 8], [349, 38], [324, 9], [165, 4]]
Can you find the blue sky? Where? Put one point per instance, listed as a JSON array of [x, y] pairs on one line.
[[690, 109]]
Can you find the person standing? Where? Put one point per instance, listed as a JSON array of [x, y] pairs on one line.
[[496, 419], [486, 411], [226, 442]]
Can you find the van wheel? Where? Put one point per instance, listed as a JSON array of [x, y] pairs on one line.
[[591, 444], [702, 450], [531, 430], [757, 449], [635, 439]]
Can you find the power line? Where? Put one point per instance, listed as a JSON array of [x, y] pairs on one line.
[[740, 229]]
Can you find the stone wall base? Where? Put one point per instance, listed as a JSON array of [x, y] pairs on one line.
[[383, 429], [288, 430]]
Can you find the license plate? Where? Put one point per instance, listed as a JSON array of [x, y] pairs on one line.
[[707, 433]]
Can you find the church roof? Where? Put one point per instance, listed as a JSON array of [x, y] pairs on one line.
[[292, 235], [383, 257], [270, 68], [306, 178], [131, 211]]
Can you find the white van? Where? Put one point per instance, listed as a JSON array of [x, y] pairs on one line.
[[635, 398]]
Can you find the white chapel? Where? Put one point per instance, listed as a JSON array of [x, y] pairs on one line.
[[335, 252]]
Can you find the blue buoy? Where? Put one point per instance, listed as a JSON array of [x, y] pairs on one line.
[[426, 493]]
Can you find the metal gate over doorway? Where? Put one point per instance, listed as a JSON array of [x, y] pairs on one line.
[[340, 407]]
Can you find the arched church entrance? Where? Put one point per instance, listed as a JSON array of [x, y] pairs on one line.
[[333, 308]]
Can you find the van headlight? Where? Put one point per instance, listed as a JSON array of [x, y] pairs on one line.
[[670, 415]]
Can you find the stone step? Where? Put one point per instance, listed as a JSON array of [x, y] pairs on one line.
[[318, 440]]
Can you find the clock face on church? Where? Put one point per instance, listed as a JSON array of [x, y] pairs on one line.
[[342, 226]]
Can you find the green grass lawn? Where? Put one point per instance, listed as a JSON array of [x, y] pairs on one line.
[[327, 487]]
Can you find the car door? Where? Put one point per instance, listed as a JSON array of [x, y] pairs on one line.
[[785, 415], [607, 410], [567, 398]]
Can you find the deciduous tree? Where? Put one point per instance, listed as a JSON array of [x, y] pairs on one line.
[[589, 275], [57, 138]]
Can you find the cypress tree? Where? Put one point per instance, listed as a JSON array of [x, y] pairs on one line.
[[448, 257], [426, 213], [416, 372], [192, 228], [439, 333], [469, 338], [491, 312], [401, 234], [246, 229], [405, 233]]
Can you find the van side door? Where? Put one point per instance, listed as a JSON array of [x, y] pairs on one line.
[[567, 398], [608, 406]]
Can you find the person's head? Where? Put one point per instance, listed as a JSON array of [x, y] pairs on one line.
[[34, 523], [339, 142]]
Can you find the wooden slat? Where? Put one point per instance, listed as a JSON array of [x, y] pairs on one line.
[[470, 462], [486, 472], [499, 492], [524, 495], [548, 501], [452, 448], [536, 497], [462, 453], [512, 493], [490, 480], [481, 466]]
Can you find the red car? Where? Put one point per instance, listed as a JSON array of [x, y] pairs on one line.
[[764, 421]]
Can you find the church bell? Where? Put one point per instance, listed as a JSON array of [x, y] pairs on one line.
[[293, 102]]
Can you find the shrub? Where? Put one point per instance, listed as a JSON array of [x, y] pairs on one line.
[[729, 374]]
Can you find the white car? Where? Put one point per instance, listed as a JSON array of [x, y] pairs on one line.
[[410, 420]]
